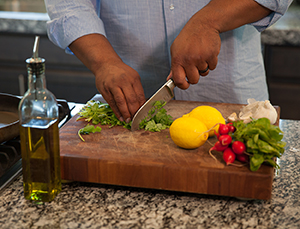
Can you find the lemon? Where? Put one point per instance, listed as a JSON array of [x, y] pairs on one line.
[[188, 132], [210, 116]]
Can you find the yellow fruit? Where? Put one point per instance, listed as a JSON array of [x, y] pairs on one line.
[[188, 132], [210, 116]]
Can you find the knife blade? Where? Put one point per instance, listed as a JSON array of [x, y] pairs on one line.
[[165, 94]]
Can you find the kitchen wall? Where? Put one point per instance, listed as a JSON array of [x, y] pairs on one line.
[[66, 76]]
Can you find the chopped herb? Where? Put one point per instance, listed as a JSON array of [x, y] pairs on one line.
[[157, 118], [101, 113], [88, 129], [98, 112]]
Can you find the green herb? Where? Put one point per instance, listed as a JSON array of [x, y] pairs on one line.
[[98, 112], [263, 141], [88, 129], [157, 118]]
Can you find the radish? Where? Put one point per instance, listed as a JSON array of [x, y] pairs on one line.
[[242, 157], [218, 147], [228, 156], [225, 140], [223, 129], [231, 128], [217, 134], [238, 147]]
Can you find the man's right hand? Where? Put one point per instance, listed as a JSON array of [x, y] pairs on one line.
[[119, 84], [121, 87]]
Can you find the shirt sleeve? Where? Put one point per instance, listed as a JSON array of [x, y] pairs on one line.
[[71, 19], [279, 7]]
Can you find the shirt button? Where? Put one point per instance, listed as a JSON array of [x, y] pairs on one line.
[[172, 7]]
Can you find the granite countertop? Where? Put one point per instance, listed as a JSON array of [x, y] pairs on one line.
[[86, 205], [284, 32]]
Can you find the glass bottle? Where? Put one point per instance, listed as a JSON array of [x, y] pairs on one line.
[[39, 135]]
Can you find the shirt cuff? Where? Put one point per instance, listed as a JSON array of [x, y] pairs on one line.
[[63, 31], [278, 7]]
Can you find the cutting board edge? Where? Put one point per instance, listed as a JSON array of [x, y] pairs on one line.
[[112, 173]]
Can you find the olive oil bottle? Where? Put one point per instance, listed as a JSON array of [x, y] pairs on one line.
[[39, 135]]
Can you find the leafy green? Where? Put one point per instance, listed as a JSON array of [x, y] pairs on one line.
[[88, 129], [157, 118], [98, 112], [263, 141]]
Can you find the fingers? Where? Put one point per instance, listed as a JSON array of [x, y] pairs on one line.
[[179, 77], [125, 101], [189, 73]]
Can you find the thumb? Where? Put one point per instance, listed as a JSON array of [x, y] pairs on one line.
[[170, 75]]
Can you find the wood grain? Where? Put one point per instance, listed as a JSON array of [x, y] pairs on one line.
[[144, 159]]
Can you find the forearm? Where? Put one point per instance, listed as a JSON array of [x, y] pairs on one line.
[[225, 15], [93, 51]]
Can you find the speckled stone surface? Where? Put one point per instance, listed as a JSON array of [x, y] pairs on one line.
[[83, 205], [23, 22], [284, 32]]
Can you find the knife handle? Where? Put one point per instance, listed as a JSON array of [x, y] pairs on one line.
[[170, 84]]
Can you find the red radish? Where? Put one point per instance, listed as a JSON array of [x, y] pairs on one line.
[[217, 134], [223, 129], [238, 147], [242, 157], [218, 147], [231, 128], [225, 140], [228, 156]]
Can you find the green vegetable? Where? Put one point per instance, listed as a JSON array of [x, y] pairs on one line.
[[263, 141], [157, 118], [88, 129], [99, 112]]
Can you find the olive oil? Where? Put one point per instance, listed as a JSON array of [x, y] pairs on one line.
[[41, 159], [39, 135]]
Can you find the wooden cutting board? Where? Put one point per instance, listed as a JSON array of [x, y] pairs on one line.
[[145, 159]]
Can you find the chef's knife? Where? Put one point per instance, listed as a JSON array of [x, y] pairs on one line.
[[164, 94]]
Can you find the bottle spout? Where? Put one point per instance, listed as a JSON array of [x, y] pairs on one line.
[[35, 59], [35, 51]]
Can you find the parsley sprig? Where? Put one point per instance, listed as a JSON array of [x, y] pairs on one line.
[[101, 113], [157, 118], [97, 112]]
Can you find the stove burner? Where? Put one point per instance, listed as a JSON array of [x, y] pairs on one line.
[[10, 153]]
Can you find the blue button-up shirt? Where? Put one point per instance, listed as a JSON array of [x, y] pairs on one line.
[[142, 31]]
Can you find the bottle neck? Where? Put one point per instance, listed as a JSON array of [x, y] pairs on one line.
[[36, 76]]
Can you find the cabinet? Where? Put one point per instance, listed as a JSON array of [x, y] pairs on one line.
[[283, 77], [67, 78]]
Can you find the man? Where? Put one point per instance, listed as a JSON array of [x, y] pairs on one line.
[[132, 46]]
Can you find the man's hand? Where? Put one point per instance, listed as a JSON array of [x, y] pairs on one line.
[[195, 49], [119, 84], [198, 44]]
